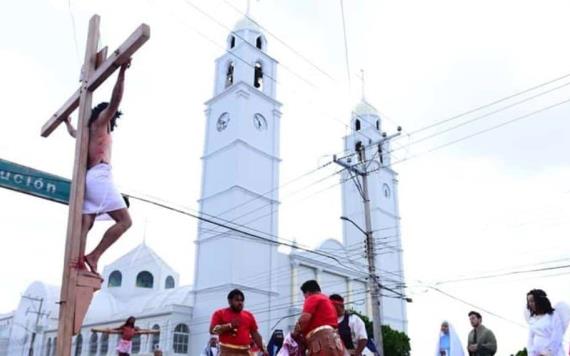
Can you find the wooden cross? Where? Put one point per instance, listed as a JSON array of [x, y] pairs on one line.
[[77, 286]]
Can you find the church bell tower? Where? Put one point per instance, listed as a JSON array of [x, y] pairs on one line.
[[366, 133], [239, 180]]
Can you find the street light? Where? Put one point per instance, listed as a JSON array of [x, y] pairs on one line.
[[355, 225]]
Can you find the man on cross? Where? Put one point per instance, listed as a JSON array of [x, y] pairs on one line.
[[101, 195]]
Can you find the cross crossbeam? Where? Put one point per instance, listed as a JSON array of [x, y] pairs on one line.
[[104, 70]]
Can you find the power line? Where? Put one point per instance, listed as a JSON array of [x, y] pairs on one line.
[[484, 106], [74, 32], [463, 301], [213, 19], [219, 23], [293, 245], [504, 274], [268, 204], [477, 118], [518, 118], [345, 45], [289, 47], [245, 233]]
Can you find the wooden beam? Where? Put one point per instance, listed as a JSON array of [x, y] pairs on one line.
[[101, 57], [73, 251], [105, 68], [119, 56], [70, 105]]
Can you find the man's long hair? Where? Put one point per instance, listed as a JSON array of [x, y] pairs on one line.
[[96, 111], [130, 322]]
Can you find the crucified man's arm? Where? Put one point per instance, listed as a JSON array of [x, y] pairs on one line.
[[72, 131], [116, 97], [106, 330], [147, 331]]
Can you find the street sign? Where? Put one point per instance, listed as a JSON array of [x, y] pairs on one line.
[[31, 181]]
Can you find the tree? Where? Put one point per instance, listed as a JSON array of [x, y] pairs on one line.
[[396, 343]]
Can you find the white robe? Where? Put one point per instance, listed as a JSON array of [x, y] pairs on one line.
[[546, 332], [290, 347], [455, 347]]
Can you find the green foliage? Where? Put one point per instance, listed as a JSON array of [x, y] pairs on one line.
[[396, 343], [522, 352]]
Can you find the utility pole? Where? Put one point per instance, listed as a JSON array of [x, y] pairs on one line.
[[374, 282], [38, 315]]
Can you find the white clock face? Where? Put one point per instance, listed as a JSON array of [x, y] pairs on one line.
[[259, 122], [223, 121]]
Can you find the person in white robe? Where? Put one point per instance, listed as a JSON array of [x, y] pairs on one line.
[[448, 342], [546, 325]]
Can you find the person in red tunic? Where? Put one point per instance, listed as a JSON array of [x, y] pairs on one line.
[[318, 323], [236, 327]]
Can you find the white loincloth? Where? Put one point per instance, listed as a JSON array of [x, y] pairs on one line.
[[101, 196], [124, 346]]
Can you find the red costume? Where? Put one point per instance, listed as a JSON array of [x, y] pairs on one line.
[[238, 340], [320, 333]]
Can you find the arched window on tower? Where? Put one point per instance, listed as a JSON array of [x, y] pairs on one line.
[[169, 282], [357, 125], [230, 74], [259, 42], [258, 77], [377, 124], [232, 42], [145, 280], [358, 148], [115, 279]]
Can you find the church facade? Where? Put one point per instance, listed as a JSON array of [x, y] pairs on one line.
[[243, 120]]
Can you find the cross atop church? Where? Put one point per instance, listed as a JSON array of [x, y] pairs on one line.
[[248, 8], [362, 84]]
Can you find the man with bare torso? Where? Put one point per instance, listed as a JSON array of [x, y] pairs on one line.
[[101, 196]]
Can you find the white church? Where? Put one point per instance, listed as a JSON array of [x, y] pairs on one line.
[[243, 121]]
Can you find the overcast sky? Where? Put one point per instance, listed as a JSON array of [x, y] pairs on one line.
[[496, 202]]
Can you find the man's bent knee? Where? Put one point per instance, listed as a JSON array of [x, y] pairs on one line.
[[125, 221], [87, 221]]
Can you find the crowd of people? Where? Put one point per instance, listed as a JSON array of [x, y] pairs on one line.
[[326, 328], [546, 324]]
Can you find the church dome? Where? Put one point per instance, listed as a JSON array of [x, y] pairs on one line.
[[365, 108], [246, 23]]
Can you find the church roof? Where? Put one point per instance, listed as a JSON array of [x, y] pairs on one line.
[[106, 307], [365, 108], [140, 255], [246, 23]]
